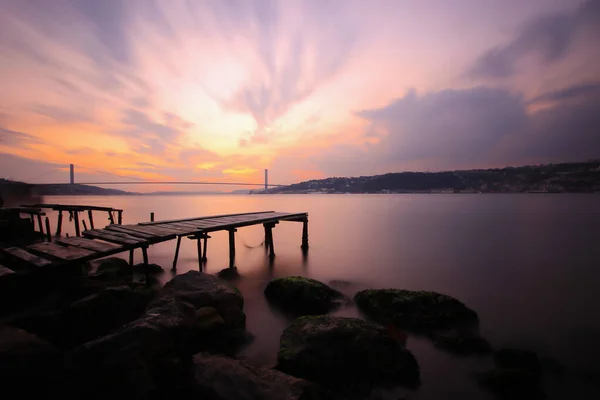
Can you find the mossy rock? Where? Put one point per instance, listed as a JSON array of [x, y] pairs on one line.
[[298, 296], [345, 353], [417, 311], [150, 268], [229, 274]]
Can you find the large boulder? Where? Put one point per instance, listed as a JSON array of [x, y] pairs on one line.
[[114, 267], [346, 354], [27, 363], [298, 296], [204, 290], [88, 318], [223, 378], [446, 320], [418, 311], [194, 312]]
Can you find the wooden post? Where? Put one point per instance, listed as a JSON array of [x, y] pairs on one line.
[[59, 224], [177, 253], [48, 230], [76, 217], [305, 234], [84, 225], [110, 217], [205, 245], [266, 238], [199, 245], [120, 216], [131, 258], [232, 247], [269, 238], [151, 217], [39, 218], [145, 255], [91, 219]]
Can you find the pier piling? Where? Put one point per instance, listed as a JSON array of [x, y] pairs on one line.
[[48, 233], [91, 218], [305, 234], [232, 247]]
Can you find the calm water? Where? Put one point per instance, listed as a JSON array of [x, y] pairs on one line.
[[528, 264]]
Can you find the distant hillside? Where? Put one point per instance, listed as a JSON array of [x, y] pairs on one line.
[[59, 189], [551, 178], [77, 190]]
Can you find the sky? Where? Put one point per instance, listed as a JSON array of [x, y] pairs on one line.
[[219, 90]]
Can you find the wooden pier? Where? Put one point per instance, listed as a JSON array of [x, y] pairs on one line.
[[117, 238]]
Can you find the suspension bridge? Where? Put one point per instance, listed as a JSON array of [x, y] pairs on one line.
[[136, 181]]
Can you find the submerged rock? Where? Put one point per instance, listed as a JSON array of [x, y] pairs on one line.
[[223, 378], [300, 296], [150, 269], [229, 274], [516, 376], [344, 354], [447, 321], [113, 267], [419, 311]]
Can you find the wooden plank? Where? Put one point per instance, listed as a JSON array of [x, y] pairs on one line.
[[63, 252], [5, 270], [72, 207], [109, 237], [114, 229], [152, 229], [200, 218], [151, 233], [128, 236], [27, 257], [88, 244]]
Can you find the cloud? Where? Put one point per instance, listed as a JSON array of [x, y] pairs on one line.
[[16, 139], [289, 61], [459, 125], [476, 127], [548, 37], [575, 92], [61, 114]]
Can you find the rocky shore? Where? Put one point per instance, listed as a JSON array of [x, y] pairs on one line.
[[94, 333]]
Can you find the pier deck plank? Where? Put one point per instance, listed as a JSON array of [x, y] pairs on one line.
[[88, 244], [27, 257], [69, 253]]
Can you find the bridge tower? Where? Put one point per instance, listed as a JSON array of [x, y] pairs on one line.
[[72, 170], [266, 180]]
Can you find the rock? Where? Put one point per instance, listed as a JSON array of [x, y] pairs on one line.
[[516, 376], [229, 274], [204, 290], [27, 363], [150, 269], [418, 311], [511, 383], [88, 318], [340, 283], [113, 267], [300, 296], [461, 342], [344, 353], [224, 378], [519, 359]]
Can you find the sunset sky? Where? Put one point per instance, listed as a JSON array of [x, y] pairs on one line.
[[220, 90]]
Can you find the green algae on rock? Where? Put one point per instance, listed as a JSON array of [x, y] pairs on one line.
[[347, 353], [418, 311], [300, 296]]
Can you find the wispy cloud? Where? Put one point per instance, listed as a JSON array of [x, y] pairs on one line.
[[549, 37]]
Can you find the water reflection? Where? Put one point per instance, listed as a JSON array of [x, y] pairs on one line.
[[526, 263]]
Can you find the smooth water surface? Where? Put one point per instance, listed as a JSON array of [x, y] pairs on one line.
[[527, 263]]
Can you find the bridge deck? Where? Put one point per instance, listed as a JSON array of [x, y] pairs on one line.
[[115, 238]]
